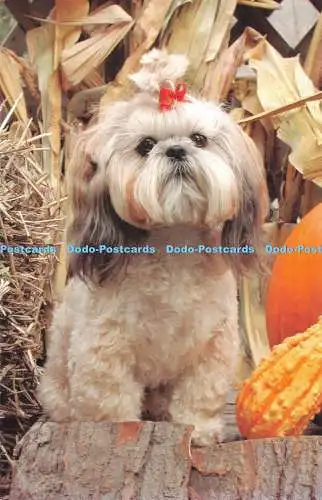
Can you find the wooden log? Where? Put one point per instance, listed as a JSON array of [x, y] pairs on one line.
[[87, 460], [153, 461], [263, 469]]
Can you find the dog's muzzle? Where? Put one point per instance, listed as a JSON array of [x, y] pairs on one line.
[[179, 162]]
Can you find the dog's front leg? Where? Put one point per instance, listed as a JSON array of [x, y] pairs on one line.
[[98, 378], [102, 386], [200, 393]]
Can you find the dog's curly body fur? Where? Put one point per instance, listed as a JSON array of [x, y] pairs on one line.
[[155, 335], [169, 320]]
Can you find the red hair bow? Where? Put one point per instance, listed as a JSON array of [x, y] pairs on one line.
[[169, 96]]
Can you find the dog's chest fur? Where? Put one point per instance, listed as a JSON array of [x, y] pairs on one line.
[[175, 314], [166, 307]]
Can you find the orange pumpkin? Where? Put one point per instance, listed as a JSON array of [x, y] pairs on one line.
[[285, 390], [294, 294]]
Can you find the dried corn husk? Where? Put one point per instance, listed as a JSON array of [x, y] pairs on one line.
[[151, 20], [281, 81], [262, 4], [11, 83], [78, 61], [201, 31]]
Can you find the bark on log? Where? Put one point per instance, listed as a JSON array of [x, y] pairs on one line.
[[263, 469], [105, 460], [153, 461]]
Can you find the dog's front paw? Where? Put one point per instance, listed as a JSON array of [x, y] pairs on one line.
[[208, 433]]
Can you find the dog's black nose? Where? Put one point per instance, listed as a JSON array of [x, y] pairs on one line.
[[176, 153]]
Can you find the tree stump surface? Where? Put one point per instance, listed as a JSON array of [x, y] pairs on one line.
[[154, 461]]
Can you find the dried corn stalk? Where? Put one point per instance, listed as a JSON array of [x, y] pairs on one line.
[[281, 81], [252, 297], [313, 67], [230, 59], [301, 129], [151, 20], [252, 318], [45, 45], [11, 83], [107, 26], [62, 63], [201, 31]]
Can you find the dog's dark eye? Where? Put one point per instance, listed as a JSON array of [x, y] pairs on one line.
[[199, 140], [94, 166], [146, 145]]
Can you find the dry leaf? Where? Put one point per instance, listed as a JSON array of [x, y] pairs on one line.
[[174, 8], [252, 316], [11, 84], [54, 125], [45, 45], [68, 19], [262, 4], [40, 43], [225, 69], [66, 36], [200, 31], [137, 8], [27, 74], [221, 26], [313, 68], [252, 297], [93, 79], [150, 23], [237, 114], [79, 61], [313, 61], [291, 190], [146, 31], [190, 33], [300, 128], [219, 41], [110, 14], [245, 91]]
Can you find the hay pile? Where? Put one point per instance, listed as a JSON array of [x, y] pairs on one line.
[[27, 217]]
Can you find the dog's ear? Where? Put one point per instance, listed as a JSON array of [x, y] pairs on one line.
[[93, 220], [246, 228]]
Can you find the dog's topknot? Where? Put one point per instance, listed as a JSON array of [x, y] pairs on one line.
[[158, 67]]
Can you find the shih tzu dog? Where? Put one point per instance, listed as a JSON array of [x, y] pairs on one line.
[[154, 334]]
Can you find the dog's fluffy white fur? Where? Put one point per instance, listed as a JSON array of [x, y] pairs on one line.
[[155, 334]]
